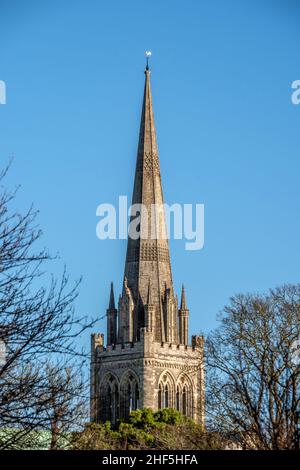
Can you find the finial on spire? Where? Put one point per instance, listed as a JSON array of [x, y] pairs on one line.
[[183, 301], [147, 54], [112, 298]]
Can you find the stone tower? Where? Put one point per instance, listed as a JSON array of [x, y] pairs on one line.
[[148, 360]]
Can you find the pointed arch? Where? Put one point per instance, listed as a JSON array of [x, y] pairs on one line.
[[186, 395], [130, 393], [109, 398], [166, 391]]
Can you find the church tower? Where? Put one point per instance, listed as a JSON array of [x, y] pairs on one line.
[[148, 360]]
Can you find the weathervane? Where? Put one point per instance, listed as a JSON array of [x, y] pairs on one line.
[[147, 54]]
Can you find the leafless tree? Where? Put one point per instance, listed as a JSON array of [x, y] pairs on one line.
[[253, 370], [63, 402], [38, 325]]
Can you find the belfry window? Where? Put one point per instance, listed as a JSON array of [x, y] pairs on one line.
[[109, 402], [166, 392], [130, 395]]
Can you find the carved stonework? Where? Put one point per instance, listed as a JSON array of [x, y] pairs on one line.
[[148, 251], [172, 365], [151, 163]]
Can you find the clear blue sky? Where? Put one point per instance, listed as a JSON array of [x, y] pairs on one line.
[[228, 133]]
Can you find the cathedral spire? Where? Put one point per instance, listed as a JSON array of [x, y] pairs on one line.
[[148, 255]]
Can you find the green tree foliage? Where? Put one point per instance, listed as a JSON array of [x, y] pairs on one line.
[[163, 429]]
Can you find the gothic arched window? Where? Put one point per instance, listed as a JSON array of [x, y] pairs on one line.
[[109, 400], [166, 391], [185, 389], [130, 395]]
